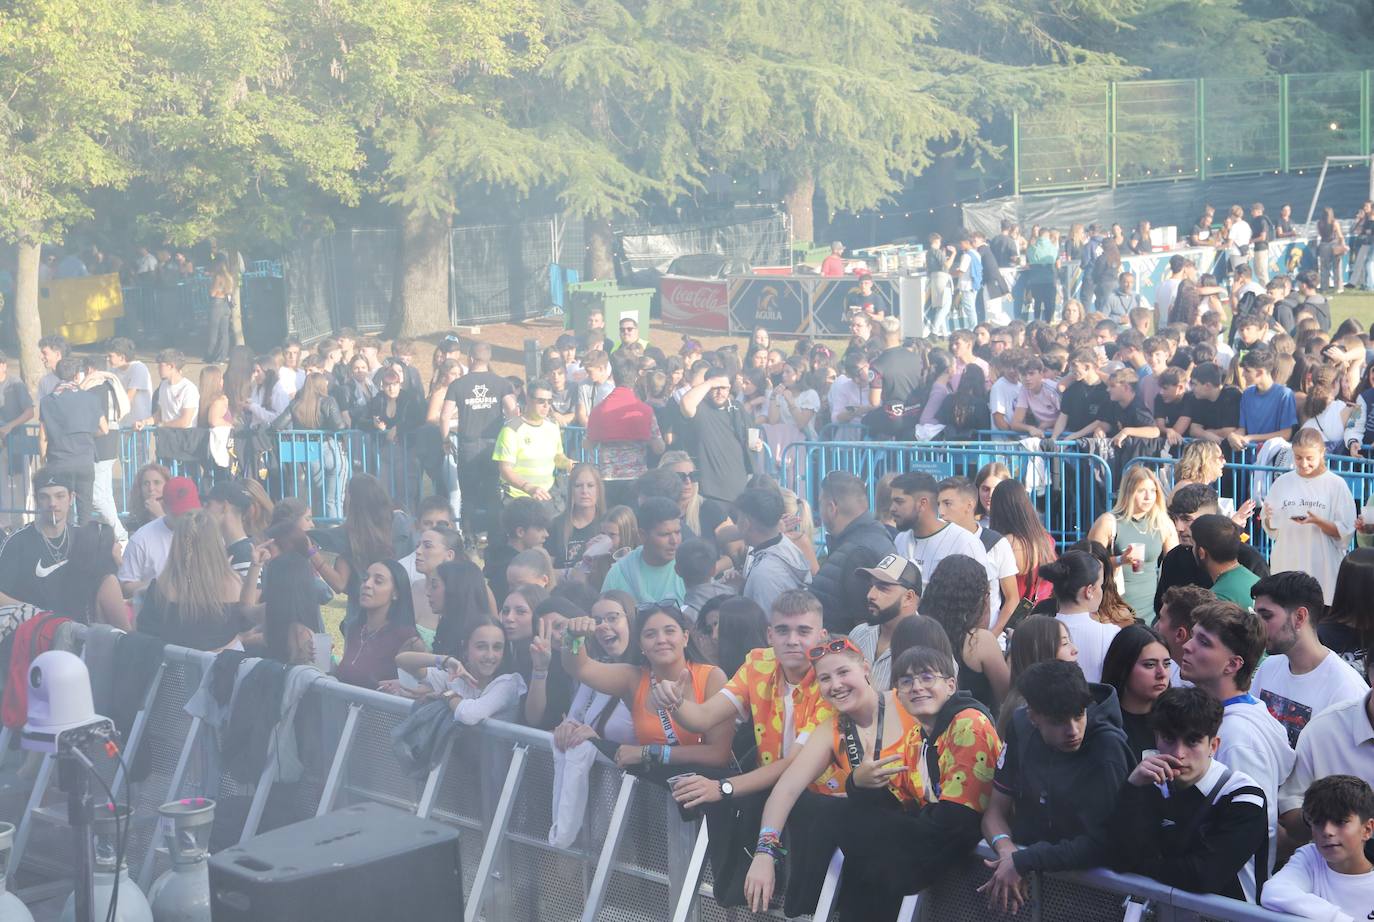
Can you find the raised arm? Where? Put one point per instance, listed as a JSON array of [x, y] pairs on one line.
[[619, 680]]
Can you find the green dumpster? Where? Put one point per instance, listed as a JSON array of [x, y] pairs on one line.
[[614, 303]]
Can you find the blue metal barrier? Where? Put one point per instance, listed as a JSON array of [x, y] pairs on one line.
[[1070, 489]]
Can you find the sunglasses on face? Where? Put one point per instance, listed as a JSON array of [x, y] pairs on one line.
[[838, 645], [689, 476], [541, 400]]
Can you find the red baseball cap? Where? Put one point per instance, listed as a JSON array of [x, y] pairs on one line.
[[180, 496]]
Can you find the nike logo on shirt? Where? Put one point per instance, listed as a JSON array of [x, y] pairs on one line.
[[41, 571]]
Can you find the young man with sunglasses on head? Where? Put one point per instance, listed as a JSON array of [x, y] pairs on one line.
[[774, 692]]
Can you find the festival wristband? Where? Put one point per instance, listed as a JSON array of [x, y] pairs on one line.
[[538, 676], [992, 843]]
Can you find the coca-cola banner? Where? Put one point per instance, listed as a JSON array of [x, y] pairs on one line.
[[694, 304]]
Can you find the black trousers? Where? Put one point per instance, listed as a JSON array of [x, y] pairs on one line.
[[217, 336], [83, 483], [479, 481]]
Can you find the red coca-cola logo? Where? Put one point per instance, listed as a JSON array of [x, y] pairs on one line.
[[695, 299]]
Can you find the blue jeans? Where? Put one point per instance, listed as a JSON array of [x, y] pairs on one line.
[[102, 499], [328, 478], [966, 311]]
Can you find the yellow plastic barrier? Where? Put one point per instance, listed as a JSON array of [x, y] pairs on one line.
[[83, 309]]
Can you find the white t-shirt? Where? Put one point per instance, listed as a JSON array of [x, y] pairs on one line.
[[500, 700], [175, 399], [1092, 638], [135, 377], [1239, 236], [1330, 422], [1002, 399], [846, 393], [1253, 742], [1307, 887], [1338, 741], [146, 553], [1001, 564], [927, 553], [1165, 293], [1304, 548], [1294, 699], [965, 281]]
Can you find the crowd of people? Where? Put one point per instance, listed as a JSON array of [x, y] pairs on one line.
[[804, 667]]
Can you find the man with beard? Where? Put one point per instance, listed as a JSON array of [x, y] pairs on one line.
[[922, 536], [894, 593]]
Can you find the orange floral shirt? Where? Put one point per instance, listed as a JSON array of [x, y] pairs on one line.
[[967, 758], [758, 687]]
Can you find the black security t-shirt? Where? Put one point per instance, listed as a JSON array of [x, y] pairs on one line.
[[71, 419], [1084, 403], [900, 370], [1222, 413], [479, 396]]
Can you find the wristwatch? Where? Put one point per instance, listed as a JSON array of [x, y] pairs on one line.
[[727, 790]]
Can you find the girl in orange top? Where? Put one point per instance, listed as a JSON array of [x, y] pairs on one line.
[[661, 632], [866, 721]]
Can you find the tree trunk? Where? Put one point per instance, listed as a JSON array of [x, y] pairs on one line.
[[600, 248], [27, 327], [236, 301], [422, 289], [799, 193]]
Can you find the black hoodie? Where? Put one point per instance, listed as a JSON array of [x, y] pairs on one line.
[[893, 849], [1062, 797]]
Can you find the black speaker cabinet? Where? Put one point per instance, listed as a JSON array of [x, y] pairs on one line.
[[362, 864]]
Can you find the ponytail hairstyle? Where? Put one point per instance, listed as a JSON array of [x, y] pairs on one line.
[[1070, 574]]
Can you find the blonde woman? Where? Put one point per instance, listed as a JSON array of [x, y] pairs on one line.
[[698, 513], [1203, 462], [1137, 533], [198, 601]]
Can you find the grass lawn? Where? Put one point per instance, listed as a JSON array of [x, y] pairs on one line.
[[1357, 304]]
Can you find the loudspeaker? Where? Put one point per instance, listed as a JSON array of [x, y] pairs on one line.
[[362, 863]]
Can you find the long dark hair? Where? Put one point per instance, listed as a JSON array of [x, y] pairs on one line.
[[644, 613], [467, 627], [288, 594], [957, 597], [367, 522], [465, 597], [743, 626], [402, 609], [1350, 600], [1123, 652], [1011, 512], [1036, 640]]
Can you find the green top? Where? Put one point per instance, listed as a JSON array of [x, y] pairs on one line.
[[426, 634], [1234, 586]]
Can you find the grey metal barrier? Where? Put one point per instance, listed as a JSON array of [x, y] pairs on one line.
[[635, 858]]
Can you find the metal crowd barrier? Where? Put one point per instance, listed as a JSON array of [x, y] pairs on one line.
[[1070, 489], [1243, 480], [635, 858]]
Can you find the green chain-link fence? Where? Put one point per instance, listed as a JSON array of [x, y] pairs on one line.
[[1150, 130]]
